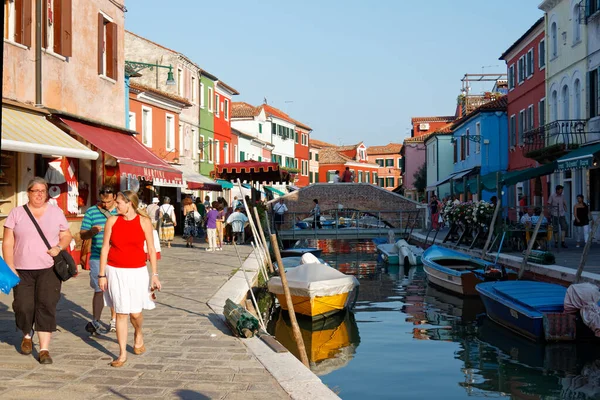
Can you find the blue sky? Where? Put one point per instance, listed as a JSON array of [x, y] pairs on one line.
[[354, 70]]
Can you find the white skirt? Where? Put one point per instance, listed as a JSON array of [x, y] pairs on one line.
[[128, 290]]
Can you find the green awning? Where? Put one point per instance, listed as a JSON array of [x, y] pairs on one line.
[[583, 157], [274, 191], [513, 177], [225, 184]]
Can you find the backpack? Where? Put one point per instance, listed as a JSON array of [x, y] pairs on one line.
[[166, 218]]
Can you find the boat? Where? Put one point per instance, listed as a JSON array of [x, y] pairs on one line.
[[292, 262], [317, 290], [299, 251], [388, 253], [521, 305], [409, 254], [459, 272]]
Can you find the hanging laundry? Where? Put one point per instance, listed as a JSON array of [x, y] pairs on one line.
[[73, 198], [54, 175]]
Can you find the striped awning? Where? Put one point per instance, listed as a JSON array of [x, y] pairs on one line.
[[26, 131]]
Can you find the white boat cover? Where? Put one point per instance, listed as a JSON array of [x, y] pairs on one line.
[[584, 297], [312, 280], [309, 258]]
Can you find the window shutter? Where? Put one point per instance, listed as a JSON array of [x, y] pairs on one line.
[[66, 28], [27, 22], [112, 51], [100, 43], [587, 8], [57, 26]]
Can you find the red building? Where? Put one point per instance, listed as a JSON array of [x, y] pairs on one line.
[[336, 158], [390, 163], [525, 61], [426, 125], [223, 147], [302, 139]]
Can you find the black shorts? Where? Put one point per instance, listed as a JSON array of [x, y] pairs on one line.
[[35, 300]]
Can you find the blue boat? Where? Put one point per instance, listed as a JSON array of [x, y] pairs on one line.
[[459, 272], [520, 305]]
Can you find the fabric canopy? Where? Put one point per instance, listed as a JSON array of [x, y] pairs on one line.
[[583, 157], [133, 157], [433, 186], [195, 181], [252, 171], [26, 131], [461, 174], [274, 191], [513, 177], [225, 184]]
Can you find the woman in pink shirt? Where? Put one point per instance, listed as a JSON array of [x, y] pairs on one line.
[[36, 296]]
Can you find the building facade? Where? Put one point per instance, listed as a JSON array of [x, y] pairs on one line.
[[354, 157], [390, 162], [222, 125], [413, 153], [440, 162], [426, 125], [206, 137], [301, 152]]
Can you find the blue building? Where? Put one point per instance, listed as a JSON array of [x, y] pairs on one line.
[[480, 145]]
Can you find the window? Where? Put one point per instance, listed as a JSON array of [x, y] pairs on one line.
[[226, 153], [381, 182], [455, 149], [575, 23], [132, 124], [316, 177], [202, 95], [529, 120], [529, 63], [594, 83], [521, 126], [226, 109], [542, 113], [379, 161], [181, 149], [304, 167], [521, 69], [310, 155], [554, 106], [399, 163], [236, 154], [462, 148], [194, 90], [260, 128], [108, 49], [201, 147], [478, 135], [367, 177], [217, 152], [389, 162], [553, 40], [210, 99], [511, 77], [217, 104], [295, 136], [170, 132], [542, 54], [56, 32], [389, 182], [468, 142], [180, 87], [311, 178], [360, 176], [565, 102], [147, 126], [512, 131], [242, 156], [316, 156], [18, 23], [210, 149], [577, 99], [592, 7]]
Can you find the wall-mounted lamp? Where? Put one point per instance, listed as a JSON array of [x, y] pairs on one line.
[[135, 66]]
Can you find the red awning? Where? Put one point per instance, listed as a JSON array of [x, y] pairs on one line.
[[133, 157], [252, 171]]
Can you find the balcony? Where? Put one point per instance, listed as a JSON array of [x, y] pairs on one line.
[[551, 141]]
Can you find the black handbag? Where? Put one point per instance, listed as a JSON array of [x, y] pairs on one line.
[[64, 264]]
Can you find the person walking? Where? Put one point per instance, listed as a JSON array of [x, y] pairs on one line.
[[347, 176], [211, 226], [558, 210], [316, 212], [581, 211], [123, 273], [336, 176], [238, 221], [24, 250], [279, 210], [189, 221], [153, 210], [435, 207], [92, 227], [168, 222]]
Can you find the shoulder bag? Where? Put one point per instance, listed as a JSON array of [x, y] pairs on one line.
[[64, 265]]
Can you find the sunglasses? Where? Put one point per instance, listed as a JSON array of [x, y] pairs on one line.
[[106, 192]]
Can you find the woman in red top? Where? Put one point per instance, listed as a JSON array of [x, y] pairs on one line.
[[123, 273]]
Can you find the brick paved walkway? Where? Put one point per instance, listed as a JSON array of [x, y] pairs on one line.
[[191, 354]]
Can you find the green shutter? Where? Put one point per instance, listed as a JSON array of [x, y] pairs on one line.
[[242, 156], [316, 156], [259, 158], [316, 177], [259, 128]]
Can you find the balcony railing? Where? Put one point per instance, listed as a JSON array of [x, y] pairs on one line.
[[551, 141]]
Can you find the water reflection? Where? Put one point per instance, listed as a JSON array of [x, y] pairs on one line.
[[423, 334], [330, 342]]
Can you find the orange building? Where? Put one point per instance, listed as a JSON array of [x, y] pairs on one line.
[[426, 125], [336, 158], [390, 163]]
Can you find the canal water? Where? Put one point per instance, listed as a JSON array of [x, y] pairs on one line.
[[406, 340]]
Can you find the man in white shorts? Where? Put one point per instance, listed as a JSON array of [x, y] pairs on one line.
[[92, 227]]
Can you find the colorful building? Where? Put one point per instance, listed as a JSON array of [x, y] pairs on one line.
[[413, 153], [426, 125], [390, 162], [314, 146], [206, 137], [301, 153], [337, 158], [526, 64], [440, 162], [222, 125]]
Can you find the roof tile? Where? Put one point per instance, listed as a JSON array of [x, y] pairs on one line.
[[391, 148], [448, 118]]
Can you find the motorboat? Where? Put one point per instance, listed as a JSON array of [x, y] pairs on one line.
[[292, 262], [409, 254], [299, 251], [459, 272], [388, 253], [316, 289]]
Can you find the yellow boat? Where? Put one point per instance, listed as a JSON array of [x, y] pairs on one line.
[[316, 289], [330, 342]]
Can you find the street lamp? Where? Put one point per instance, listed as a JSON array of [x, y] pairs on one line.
[[138, 66]]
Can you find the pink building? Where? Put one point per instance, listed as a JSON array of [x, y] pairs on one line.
[[413, 151]]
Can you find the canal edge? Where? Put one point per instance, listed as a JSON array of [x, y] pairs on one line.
[[298, 381]]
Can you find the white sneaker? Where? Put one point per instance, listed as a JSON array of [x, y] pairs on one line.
[[111, 328], [209, 249]]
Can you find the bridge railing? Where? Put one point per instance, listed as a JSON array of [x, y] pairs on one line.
[[348, 220]]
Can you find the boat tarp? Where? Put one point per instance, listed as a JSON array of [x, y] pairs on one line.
[[312, 280], [584, 297]]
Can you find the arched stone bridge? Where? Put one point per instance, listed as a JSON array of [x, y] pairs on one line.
[[353, 200]]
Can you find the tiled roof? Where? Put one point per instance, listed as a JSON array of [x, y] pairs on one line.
[[277, 113], [391, 148], [226, 86], [418, 139], [444, 129], [448, 118], [301, 125], [320, 143], [500, 104], [240, 109], [332, 156], [523, 36], [144, 88]]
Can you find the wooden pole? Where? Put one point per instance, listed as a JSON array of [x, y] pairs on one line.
[[491, 232], [264, 240], [586, 249], [530, 245], [250, 216], [290, 306], [262, 267], [262, 324]]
